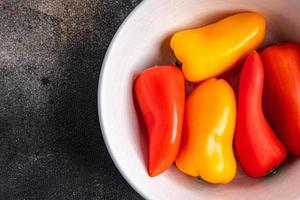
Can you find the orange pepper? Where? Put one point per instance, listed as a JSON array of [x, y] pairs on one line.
[[209, 123], [210, 50]]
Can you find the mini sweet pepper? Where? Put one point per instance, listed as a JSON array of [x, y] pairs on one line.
[[210, 50], [282, 92], [258, 148], [206, 148], [160, 93]]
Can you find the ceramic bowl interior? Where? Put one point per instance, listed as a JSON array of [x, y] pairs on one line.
[[143, 41]]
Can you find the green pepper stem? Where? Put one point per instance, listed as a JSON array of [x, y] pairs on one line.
[[178, 63], [272, 172]]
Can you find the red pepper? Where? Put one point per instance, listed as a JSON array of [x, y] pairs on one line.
[[160, 92], [257, 147], [282, 92]]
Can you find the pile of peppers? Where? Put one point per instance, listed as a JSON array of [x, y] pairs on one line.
[[244, 106]]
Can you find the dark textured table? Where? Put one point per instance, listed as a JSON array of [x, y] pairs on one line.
[[50, 58]]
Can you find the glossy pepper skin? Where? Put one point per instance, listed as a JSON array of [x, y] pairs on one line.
[[210, 50], [206, 149], [257, 147], [282, 92], [160, 93]]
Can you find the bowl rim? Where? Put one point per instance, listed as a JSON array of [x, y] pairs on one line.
[[129, 180]]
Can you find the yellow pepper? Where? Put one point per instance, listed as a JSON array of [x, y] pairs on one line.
[[209, 51], [206, 149]]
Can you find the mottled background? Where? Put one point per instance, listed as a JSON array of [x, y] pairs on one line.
[[50, 140]]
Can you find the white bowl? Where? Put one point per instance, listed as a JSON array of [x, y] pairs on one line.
[[143, 41]]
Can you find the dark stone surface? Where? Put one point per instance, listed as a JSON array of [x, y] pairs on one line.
[[50, 140]]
